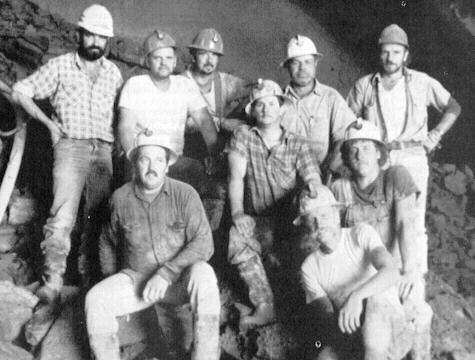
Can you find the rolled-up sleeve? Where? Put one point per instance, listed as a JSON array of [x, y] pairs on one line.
[[41, 84], [307, 163]]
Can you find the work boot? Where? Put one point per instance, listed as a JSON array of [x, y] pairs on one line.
[[260, 293], [262, 315], [45, 313], [104, 346], [205, 337]]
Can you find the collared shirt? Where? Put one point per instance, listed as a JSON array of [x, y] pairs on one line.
[[422, 91], [162, 111], [321, 116], [272, 174], [376, 204], [83, 109], [163, 237]]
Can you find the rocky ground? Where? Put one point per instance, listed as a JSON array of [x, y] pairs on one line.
[[29, 36]]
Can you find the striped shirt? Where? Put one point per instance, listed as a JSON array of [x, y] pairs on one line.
[[83, 109], [272, 175]]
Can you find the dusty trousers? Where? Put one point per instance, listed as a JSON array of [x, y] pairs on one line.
[[80, 167], [119, 295], [416, 162]]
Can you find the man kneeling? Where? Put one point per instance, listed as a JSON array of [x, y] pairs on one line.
[[349, 283], [159, 238]]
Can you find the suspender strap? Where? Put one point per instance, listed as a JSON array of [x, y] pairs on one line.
[[218, 98]]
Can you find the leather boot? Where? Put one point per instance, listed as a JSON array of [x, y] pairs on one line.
[[44, 315], [104, 346], [205, 337], [260, 292]]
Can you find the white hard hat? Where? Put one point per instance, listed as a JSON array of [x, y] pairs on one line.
[[98, 20], [324, 198], [262, 89], [148, 137], [363, 130], [300, 45]]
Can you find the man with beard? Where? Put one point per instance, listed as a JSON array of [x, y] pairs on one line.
[[161, 102], [317, 112], [82, 87], [222, 92], [349, 283], [154, 251], [396, 99], [268, 166]]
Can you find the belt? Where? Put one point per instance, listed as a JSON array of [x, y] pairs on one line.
[[401, 145]]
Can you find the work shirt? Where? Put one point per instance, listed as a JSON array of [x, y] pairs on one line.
[[162, 111], [421, 91], [321, 116], [272, 174], [163, 237], [376, 204], [83, 109], [224, 97]]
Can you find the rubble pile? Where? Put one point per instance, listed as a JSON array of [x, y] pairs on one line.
[[30, 36], [451, 227]]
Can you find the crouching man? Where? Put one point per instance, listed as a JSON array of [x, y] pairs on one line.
[[349, 283], [159, 238], [267, 166]]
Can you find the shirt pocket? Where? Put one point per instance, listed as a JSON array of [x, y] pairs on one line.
[[285, 172], [71, 93], [175, 235]]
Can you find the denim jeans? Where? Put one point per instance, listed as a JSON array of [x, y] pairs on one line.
[[80, 167]]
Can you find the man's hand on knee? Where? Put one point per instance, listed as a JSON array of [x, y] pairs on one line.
[[407, 283], [245, 224], [350, 313], [155, 288]]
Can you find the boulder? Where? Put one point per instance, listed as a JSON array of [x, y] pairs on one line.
[[16, 308]]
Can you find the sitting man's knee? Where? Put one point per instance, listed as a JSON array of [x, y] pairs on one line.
[[202, 272]]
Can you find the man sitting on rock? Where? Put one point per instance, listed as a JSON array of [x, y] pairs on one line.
[[267, 166], [350, 287], [159, 239]]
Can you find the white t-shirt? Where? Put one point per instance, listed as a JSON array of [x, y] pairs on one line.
[[394, 107], [163, 111], [335, 275]]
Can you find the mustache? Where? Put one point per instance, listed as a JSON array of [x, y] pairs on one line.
[[151, 172]]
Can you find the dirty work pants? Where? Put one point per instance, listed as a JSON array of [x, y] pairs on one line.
[[79, 166], [389, 330], [247, 255], [120, 295], [416, 162]]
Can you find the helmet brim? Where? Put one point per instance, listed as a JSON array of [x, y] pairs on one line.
[[248, 107], [283, 63]]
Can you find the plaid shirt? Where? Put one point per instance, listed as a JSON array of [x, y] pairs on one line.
[[83, 109], [272, 175]]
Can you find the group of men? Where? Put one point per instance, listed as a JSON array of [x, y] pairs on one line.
[[363, 241]]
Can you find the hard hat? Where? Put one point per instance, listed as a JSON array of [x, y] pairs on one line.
[[157, 40], [300, 45], [363, 130], [262, 89], [324, 198], [98, 20], [208, 39], [148, 137], [393, 34]]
